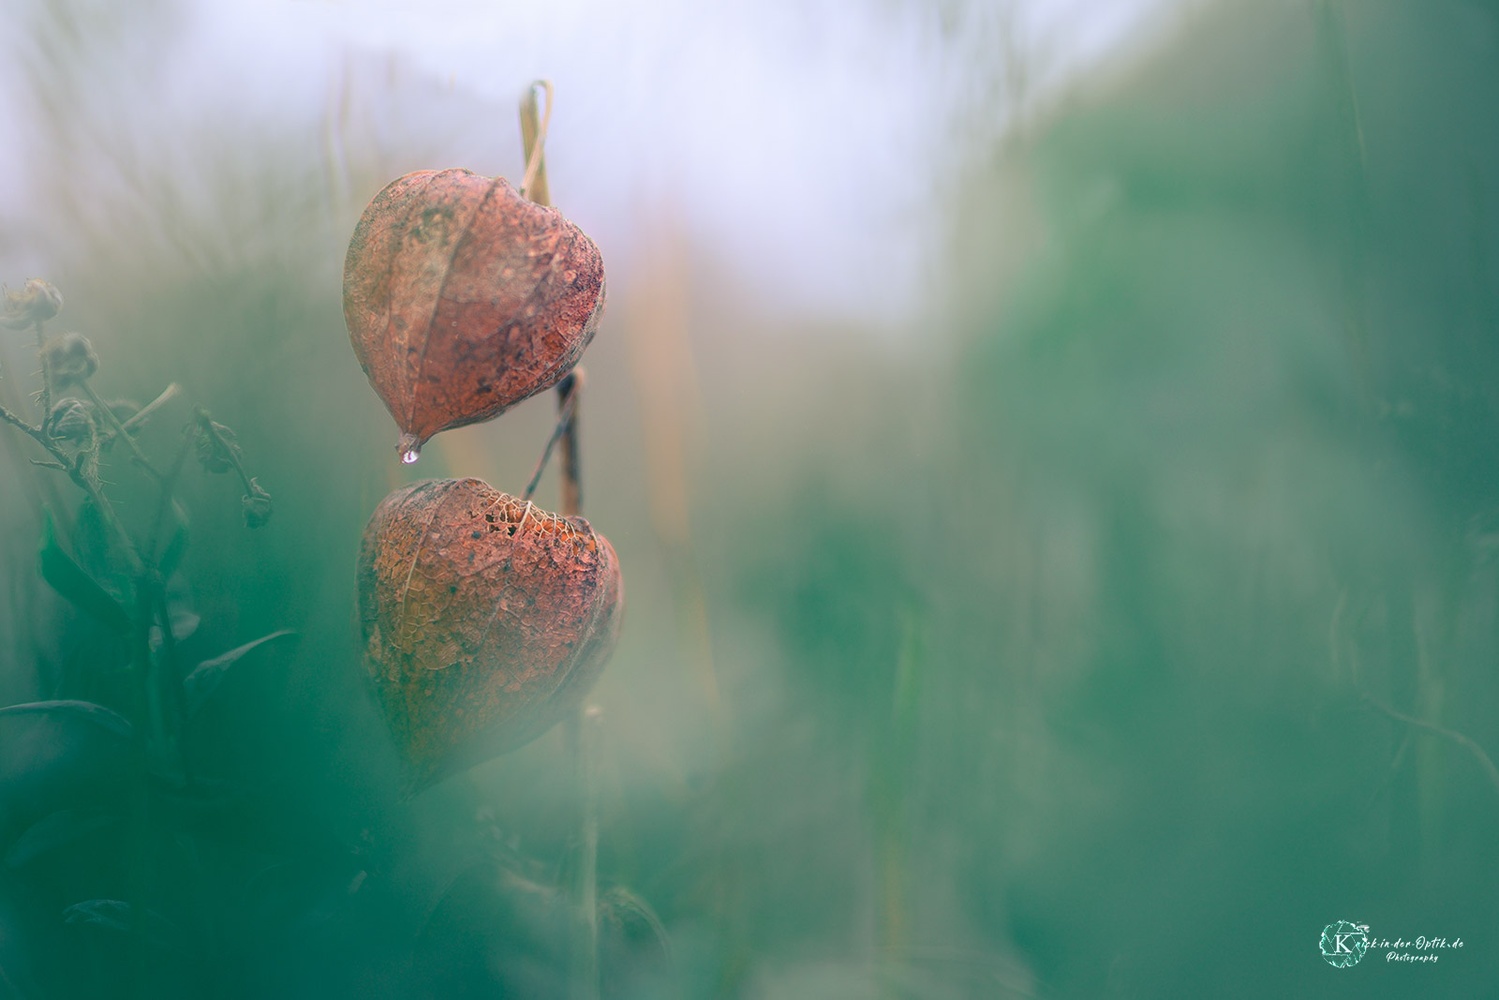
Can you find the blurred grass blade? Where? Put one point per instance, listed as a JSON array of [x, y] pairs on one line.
[[201, 683], [105, 718], [68, 578]]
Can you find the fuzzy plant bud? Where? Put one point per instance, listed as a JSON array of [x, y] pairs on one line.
[[257, 506], [215, 447], [71, 420], [37, 302], [70, 359]]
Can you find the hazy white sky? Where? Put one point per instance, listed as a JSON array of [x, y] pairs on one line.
[[805, 140]]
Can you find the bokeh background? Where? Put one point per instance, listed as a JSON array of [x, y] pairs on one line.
[[1050, 447]]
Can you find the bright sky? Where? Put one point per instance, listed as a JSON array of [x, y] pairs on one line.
[[806, 140]]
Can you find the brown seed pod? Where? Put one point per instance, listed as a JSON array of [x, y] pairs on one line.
[[462, 298], [484, 619]]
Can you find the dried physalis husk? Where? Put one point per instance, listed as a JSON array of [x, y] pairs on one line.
[[484, 618], [462, 298]]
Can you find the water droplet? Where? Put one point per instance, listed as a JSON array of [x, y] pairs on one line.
[[410, 456], [410, 448]]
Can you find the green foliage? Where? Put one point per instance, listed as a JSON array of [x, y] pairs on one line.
[[97, 714], [68, 579], [200, 684]]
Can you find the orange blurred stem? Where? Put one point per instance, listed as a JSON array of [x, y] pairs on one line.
[[533, 137]]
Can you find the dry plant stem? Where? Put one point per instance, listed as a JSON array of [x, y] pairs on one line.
[[533, 135], [15, 421], [140, 870], [168, 501], [149, 601], [173, 669], [585, 967], [586, 963], [74, 468], [41, 357], [206, 423], [1461, 739], [1392, 771], [568, 405], [171, 679], [44, 490], [121, 432], [167, 395], [569, 401]]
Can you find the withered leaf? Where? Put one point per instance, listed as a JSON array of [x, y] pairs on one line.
[[462, 298], [484, 619]]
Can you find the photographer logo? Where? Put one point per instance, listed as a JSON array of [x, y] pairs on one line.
[[1344, 943]]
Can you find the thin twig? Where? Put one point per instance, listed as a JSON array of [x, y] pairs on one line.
[[564, 420], [74, 468], [533, 133], [230, 450], [10, 418], [122, 432], [107, 511], [1394, 768], [168, 500], [141, 415], [580, 725], [169, 664], [43, 490], [569, 393], [41, 356], [1460, 739]]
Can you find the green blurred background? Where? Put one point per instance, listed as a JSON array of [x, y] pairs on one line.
[[1102, 616]]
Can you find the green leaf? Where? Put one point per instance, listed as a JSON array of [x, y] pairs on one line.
[[115, 914], [171, 556], [199, 684], [106, 718], [97, 553], [63, 828], [68, 579], [119, 916], [620, 907]]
